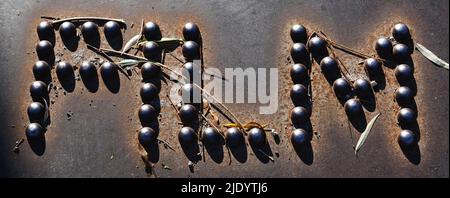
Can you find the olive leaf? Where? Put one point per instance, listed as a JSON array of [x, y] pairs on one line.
[[129, 62], [132, 42], [431, 56], [366, 132], [166, 43]]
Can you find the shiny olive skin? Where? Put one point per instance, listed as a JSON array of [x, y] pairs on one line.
[[152, 51], [38, 90], [363, 88], [299, 74], [404, 96], [190, 69], [384, 47], [299, 34], [149, 70], [330, 68], [64, 70], [257, 137], [152, 32], [45, 31], [147, 114], [188, 114], [191, 32], [342, 89], [404, 73], [406, 116], [212, 137], [148, 92], [67, 31], [34, 131], [36, 112], [353, 108], [41, 71], [299, 53], [401, 32], [108, 70], [89, 30], [299, 137], [299, 115], [147, 136], [317, 46], [187, 136], [234, 137], [112, 29], [299, 94], [373, 68], [87, 70], [401, 53], [44, 49], [191, 51], [406, 137]]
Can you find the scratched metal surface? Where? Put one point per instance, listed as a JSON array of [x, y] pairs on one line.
[[100, 138]]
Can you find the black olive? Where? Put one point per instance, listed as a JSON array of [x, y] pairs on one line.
[[152, 32], [373, 68], [383, 46], [190, 93], [89, 30], [147, 136], [34, 131], [147, 114], [234, 137], [212, 137], [317, 46], [187, 136], [299, 73], [108, 70], [299, 137], [67, 31], [152, 51], [353, 108], [401, 53], [401, 33], [191, 32], [148, 92], [342, 89], [191, 50], [44, 49], [41, 70], [299, 53], [406, 137], [64, 70], [45, 31], [404, 96], [87, 70], [189, 69], [149, 70], [257, 137], [111, 29], [330, 68], [299, 34], [38, 90], [299, 94], [299, 115], [363, 88], [36, 112], [404, 73], [188, 114], [406, 117]]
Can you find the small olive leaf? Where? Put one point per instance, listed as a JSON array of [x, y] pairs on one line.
[[366, 132], [128, 62], [229, 125], [133, 41], [170, 43], [431, 56]]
